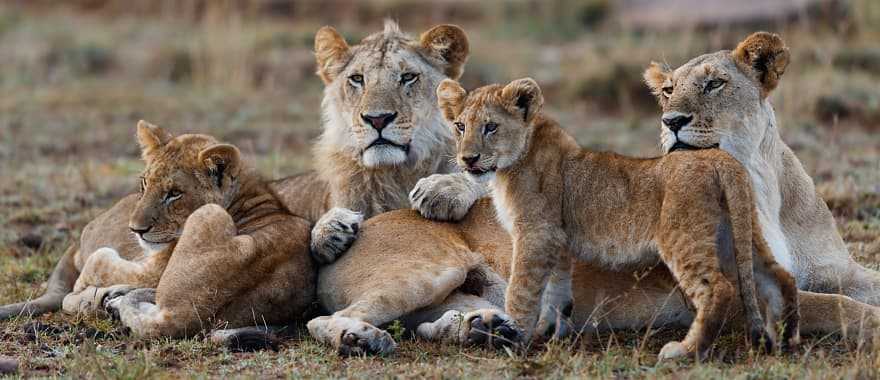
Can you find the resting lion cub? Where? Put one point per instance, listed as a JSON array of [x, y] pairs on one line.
[[555, 197], [207, 233]]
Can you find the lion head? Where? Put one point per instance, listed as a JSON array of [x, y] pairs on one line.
[[379, 106], [493, 124], [182, 174], [719, 99]]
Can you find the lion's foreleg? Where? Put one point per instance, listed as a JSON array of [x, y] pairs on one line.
[[537, 253], [556, 303], [106, 268], [446, 197]]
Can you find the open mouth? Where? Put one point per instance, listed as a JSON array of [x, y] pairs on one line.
[[381, 141], [679, 145]]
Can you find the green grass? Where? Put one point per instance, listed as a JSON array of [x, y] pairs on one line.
[[74, 84]]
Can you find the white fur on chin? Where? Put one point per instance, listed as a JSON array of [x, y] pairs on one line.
[[150, 248], [383, 155]]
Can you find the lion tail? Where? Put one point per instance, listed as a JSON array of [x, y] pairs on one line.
[[740, 208], [60, 284]]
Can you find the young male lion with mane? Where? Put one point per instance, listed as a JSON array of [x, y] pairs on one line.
[[383, 139]]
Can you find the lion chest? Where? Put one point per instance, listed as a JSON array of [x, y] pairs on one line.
[[503, 209]]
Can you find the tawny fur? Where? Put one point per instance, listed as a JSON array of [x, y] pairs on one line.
[[628, 297], [370, 179], [343, 180], [612, 210], [739, 118], [225, 252]]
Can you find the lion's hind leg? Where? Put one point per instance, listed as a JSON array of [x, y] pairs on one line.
[[696, 268], [824, 314], [469, 320], [351, 336], [354, 329]]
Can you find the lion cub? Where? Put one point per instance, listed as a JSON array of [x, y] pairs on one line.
[[554, 197]]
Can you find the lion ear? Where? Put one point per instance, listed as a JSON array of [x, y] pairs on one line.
[[449, 45], [656, 76], [331, 53], [220, 160], [523, 97], [151, 138], [764, 57], [450, 98]]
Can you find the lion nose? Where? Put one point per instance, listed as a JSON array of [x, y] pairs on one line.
[[379, 121], [140, 230], [675, 120], [470, 160]]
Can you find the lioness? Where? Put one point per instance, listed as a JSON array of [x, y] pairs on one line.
[[392, 271], [721, 99], [555, 197], [225, 247]]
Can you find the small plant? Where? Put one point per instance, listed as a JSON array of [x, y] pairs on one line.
[[396, 329]]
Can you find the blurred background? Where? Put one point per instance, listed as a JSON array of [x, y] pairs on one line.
[[75, 76]]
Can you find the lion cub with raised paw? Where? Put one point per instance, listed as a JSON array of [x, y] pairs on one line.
[[555, 197]]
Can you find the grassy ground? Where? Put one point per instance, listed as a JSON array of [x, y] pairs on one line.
[[74, 80]]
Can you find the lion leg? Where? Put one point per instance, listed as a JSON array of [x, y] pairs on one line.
[[190, 290], [446, 197], [467, 319], [824, 314], [334, 233], [779, 295], [353, 330], [855, 281], [105, 267], [556, 304], [90, 300], [607, 300], [138, 311], [697, 270]]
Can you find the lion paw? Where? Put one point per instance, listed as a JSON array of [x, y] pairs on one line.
[[673, 350], [351, 337], [92, 299], [114, 298], [334, 233], [445, 197], [489, 327], [555, 322]]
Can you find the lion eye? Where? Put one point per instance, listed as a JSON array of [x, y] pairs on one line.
[[667, 91], [408, 78], [490, 128], [356, 79], [172, 195], [460, 127], [714, 84], [143, 184]]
